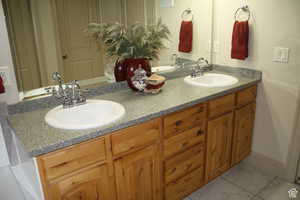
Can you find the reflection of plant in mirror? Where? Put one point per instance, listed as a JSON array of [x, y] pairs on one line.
[[135, 41]]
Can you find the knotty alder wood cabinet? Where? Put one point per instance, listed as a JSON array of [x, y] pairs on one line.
[[167, 158]]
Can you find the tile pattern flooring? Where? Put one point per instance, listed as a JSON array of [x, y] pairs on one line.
[[244, 182]]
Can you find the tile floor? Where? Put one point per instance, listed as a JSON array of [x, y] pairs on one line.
[[243, 182], [9, 188]]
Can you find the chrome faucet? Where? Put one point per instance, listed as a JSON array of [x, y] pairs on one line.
[[70, 94], [201, 66]]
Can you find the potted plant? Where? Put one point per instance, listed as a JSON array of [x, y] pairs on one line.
[[133, 46]]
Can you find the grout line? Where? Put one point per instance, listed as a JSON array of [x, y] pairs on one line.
[[266, 186], [240, 187], [256, 196]]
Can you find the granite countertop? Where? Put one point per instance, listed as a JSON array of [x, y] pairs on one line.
[[39, 138]]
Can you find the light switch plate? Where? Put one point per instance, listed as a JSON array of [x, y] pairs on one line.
[[285, 54], [281, 54]]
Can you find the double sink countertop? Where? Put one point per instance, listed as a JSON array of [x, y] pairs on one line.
[[39, 138]]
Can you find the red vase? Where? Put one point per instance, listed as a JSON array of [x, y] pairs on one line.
[[133, 65], [120, 70]]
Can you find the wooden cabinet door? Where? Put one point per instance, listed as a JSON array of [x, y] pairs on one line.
[[91, 184], [219, 143], [138, 175], [244, 122]]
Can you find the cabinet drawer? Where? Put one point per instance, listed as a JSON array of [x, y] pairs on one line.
[[184, 140], [221, 105], [135, 137], [181, 188], [73, 158], [247, 95], [184, 163], [182, 120]]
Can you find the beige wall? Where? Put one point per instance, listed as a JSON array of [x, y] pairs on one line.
[[11, 95], [201, 25], [274, 23]]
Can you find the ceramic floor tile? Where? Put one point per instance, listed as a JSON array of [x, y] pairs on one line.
[[9, 188], [248, 178], [279, 190], [220, 189], [257, 198]]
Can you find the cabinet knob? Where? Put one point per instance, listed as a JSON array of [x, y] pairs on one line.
[[185, 144], [178, 123], [201, 109], [200, 132], [65, 56]]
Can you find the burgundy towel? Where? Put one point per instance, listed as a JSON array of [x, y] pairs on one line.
[[240, 38], [2, 89], [186, 37]]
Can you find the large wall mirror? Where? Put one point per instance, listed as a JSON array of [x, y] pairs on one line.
[[48, 36]]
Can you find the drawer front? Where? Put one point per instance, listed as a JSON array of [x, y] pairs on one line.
[[184, 163], [73, 158], [247, 95], [180, 121], [181, 188], [135, 137], [221, 105], [184, 140]]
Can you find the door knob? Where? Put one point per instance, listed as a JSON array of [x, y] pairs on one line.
[[65, 57]]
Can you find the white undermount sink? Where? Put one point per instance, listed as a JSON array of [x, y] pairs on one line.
[[93, 114], [211, 80], [162, 69]]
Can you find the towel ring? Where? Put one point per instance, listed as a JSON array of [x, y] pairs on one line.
[[187, 12], [242, 9]]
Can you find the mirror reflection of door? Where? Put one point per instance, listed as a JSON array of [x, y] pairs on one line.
[[82, 58], [142, 11]]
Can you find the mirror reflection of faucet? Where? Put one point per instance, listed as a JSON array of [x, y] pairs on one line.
[[174, 60], [70, 93]]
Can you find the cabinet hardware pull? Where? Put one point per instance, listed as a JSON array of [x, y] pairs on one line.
[[178, 123], [200, 132], [185, 144], [201, 109]]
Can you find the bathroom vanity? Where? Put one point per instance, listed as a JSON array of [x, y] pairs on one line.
[[165, 147], [165, 158]]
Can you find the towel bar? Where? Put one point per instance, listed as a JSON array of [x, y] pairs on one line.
[[186, 12], [244, 9]]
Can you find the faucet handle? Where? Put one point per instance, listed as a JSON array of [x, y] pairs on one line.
[[56, 76], [75, 84], [56, 93]]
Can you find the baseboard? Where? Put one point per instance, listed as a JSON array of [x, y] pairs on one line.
[[266, 165]]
